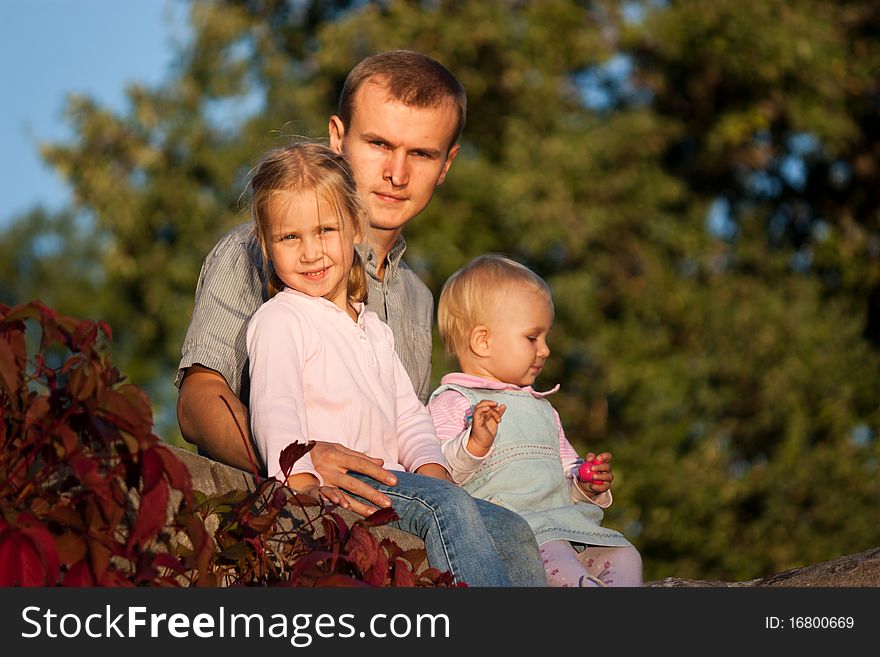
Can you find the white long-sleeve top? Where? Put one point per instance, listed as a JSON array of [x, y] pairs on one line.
[[318, 375]]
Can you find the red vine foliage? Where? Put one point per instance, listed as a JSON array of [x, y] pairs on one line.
[[89, 496]]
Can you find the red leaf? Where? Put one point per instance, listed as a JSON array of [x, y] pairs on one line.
[[130, 406], [339, 581], [362, 549], [86, 470], [68, 438], [403, 576], [37, 410], [177, 472], [151, 515], [71, 548], [27, 557], [84, 336], [12, 548], [379, 517], [377, 575], [82, 382], [311, 560], [66, 516], [12, 363], [79, 575], [151, 469], [291, 454], [44, 543], [165, 560]]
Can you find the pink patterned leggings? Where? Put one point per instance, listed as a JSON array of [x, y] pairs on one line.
[[596, 566]]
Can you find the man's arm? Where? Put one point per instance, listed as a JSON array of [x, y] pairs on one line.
[[206, 421]]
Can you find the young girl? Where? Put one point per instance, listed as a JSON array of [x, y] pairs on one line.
[[504, 441], [323, 368]]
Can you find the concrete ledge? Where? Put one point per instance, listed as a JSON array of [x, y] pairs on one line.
[[855, 570]]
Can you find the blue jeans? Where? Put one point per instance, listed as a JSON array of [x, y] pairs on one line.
[[480, 543]]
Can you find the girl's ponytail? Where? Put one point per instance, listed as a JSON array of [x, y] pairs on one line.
[[357, 280]]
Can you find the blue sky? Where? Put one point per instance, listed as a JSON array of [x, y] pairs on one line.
[[49, 48]]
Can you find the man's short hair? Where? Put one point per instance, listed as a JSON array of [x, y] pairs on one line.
[[471, 292], [410, 78]]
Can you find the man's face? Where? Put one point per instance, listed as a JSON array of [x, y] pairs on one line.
[[399, 154]]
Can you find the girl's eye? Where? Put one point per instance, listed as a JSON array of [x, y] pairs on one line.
[[532, 338], [327, 229], [289, 236]]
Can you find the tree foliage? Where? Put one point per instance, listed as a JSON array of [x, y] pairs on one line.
[[697, 181]]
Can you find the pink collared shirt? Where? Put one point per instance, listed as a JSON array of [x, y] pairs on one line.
[[450, 411], [318, 375]]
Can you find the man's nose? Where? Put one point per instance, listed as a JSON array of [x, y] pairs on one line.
[[397, 168]]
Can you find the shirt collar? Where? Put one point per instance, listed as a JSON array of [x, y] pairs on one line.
[[371, 262], [326, 303], [473, 381]]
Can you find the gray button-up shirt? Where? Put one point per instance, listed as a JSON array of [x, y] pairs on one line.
[[231, 287]]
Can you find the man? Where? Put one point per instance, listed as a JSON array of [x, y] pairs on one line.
[[399, 119]]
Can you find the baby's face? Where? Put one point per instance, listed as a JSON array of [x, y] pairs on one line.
[[518, 330]]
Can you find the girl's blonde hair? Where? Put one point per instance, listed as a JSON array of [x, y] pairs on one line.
[[468, 294], [308, 167]]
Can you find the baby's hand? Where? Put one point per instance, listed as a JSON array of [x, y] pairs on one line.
[[484, 427], [595, 471]]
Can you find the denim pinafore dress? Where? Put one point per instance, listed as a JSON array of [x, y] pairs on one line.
[[524, 473]]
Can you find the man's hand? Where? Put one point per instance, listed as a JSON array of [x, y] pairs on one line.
[[333, 462], [484, 427]]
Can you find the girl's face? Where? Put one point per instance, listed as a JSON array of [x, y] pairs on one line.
[[517, 336], [311, 247]]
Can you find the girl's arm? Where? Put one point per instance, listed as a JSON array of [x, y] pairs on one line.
[[277, 341]]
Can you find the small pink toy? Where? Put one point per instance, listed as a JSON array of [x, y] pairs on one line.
[[585, 472]]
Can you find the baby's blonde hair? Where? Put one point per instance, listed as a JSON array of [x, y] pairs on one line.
[[305, 167], [468, 296]]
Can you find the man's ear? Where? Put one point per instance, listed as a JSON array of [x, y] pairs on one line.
[[337, 133], [450, 156], [479, 340]]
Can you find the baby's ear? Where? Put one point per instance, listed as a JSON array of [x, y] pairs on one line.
[[479, 340]]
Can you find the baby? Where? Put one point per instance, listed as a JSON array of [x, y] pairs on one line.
[[504, 441]]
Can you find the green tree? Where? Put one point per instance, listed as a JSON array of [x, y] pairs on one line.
[[731, 370]]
